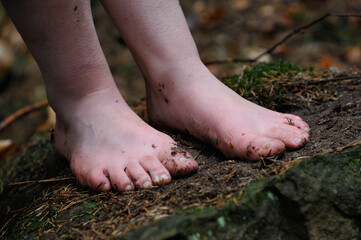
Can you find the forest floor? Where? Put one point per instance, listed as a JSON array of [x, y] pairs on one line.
[[45, 199], [39, 195]]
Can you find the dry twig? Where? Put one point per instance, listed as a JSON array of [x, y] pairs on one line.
[[335, 79], [41, 181], [22, 112]]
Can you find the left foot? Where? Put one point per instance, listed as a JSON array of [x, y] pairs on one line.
[[192, 100]]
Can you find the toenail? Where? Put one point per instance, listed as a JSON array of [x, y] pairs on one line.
[[266, 146], [156, 179], [128, 188], [305, 136], [164, 177], [299, 140], [147, 184], [182, 160], [105, 186]]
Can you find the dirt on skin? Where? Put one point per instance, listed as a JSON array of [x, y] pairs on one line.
[[62, 208]]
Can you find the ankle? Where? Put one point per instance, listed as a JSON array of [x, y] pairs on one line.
[[159, 72], [69, 108]]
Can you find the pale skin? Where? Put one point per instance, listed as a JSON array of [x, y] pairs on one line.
[[107, 144]]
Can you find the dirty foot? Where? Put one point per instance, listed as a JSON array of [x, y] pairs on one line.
[[190, 99], [109, 146]]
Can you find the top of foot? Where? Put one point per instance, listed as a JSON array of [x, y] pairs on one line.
[[192, 100], [110, 147]]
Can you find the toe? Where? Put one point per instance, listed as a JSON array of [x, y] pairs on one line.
[[156, 170], [120, 180], [179, 162], [297, 122], [138, 175], [97, 180], [271, 148], [292, 137], [261, 147]]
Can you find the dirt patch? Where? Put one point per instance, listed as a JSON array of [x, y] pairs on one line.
[[63, 208]]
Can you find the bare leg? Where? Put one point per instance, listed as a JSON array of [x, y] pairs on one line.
[[184, 95], [107, 144]]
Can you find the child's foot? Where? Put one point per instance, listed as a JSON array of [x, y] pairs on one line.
[[109, 146], [192, 100]]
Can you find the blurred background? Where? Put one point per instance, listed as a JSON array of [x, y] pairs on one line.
[[221, 29]]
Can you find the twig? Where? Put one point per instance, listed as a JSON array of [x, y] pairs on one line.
[[41, 181], [7, 222], [335, 79], [283, 40], [22, 112], [195, 158], [230, 60]]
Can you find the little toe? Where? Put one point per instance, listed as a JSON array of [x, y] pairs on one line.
[[120, 180], [97, 180], [156, 170], [138, 175]]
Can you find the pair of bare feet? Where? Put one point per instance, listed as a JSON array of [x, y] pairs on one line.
[[111, 147], [107, 144]]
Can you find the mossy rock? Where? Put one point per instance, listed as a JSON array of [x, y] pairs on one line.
[[319, 198]]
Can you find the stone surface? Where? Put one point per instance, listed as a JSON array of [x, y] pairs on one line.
[[319, 198]]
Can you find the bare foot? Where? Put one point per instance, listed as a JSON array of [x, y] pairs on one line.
[[191, 99], [109, 146]]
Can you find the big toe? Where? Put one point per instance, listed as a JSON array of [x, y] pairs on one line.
[[180, 163], [261, 147]]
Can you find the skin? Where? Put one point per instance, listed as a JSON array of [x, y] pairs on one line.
[[107, 144]]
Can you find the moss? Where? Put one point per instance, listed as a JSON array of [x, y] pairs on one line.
[[263, 82], [355, 165], [305, 203], [21, 166]]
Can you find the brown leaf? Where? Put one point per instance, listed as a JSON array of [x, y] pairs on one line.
[[7, 147]]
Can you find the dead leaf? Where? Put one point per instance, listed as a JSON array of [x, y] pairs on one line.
[[7, 147], [328, 61], [214, 16], [240, 4], [353, 55]]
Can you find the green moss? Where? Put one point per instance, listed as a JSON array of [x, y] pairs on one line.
[[320, 188], [19, 167], [263, 83], [355, 165], [33, 224]]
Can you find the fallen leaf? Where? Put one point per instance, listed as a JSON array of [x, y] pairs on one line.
[[7, 147], [240, 4]]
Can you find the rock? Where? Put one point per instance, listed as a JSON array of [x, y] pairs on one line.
[[319, 198]]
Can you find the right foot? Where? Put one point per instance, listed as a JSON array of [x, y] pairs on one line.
[[109, 146]]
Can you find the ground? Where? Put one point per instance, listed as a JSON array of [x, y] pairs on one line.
[[58, 206], [51, 203]]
